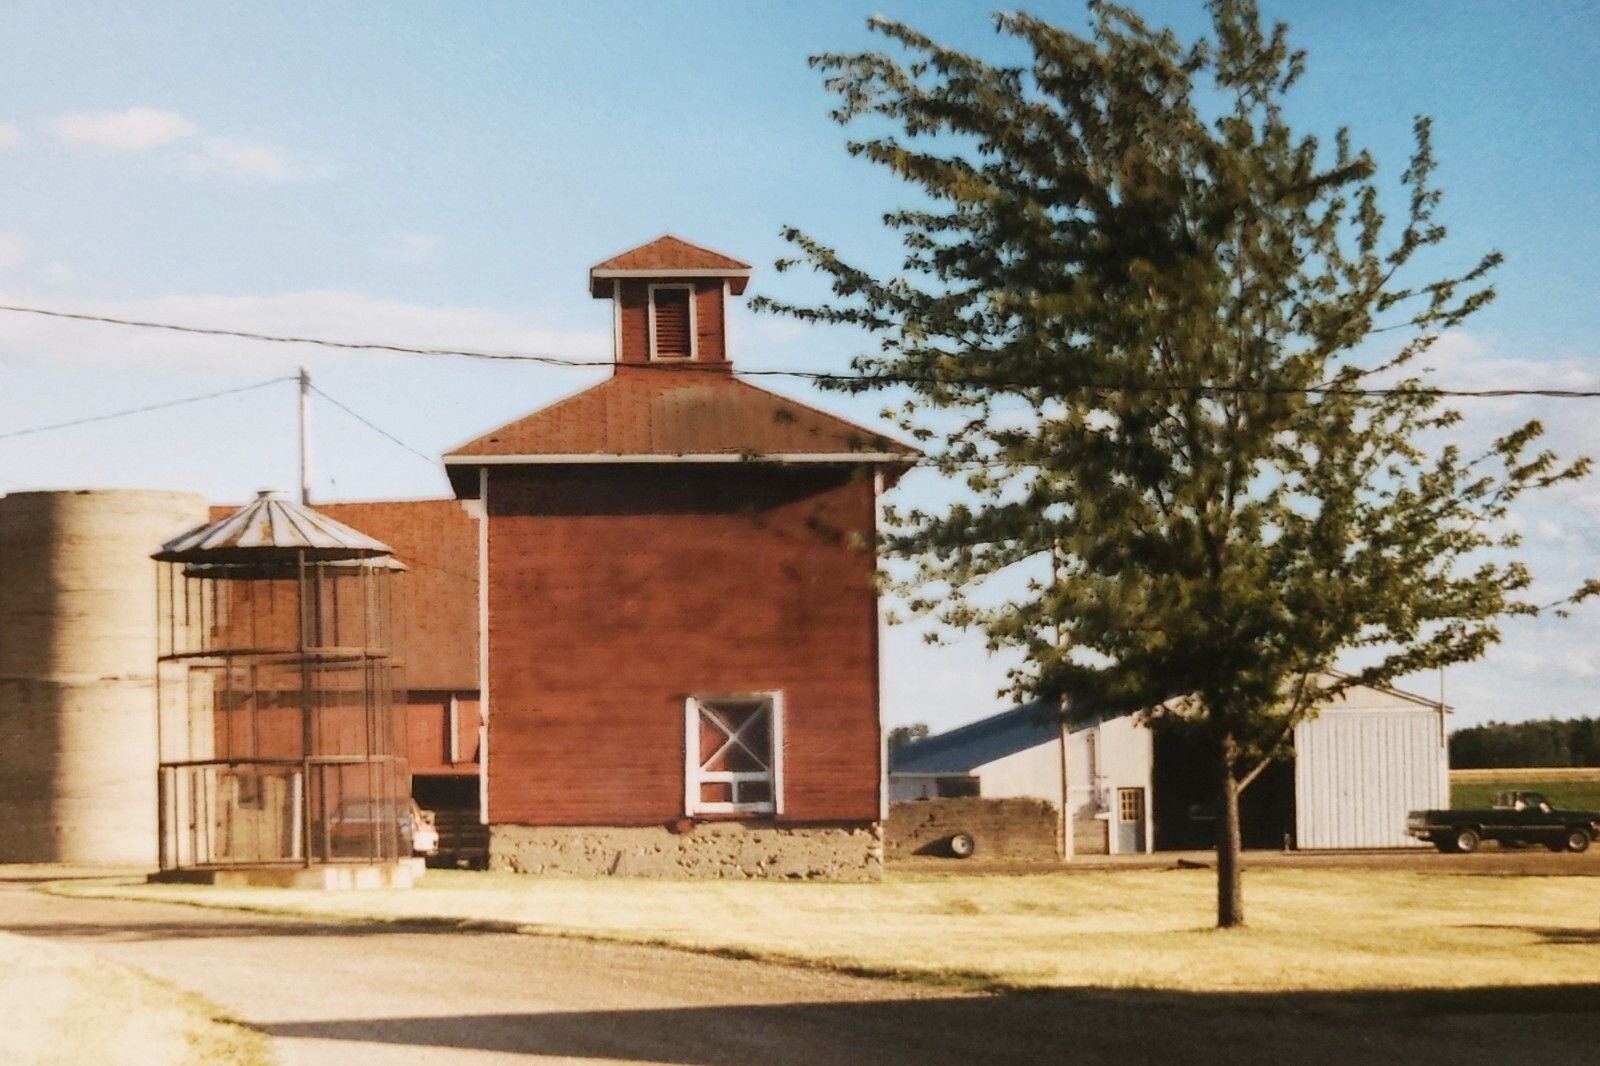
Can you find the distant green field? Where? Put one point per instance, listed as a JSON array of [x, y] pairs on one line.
[[1578, 789]]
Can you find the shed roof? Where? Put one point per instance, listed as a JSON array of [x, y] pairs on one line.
[[964, 749], [643, 415], [979, 743], [668, 257], [270, 527]]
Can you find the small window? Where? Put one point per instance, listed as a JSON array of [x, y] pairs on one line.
[[956, 787], [1130, 804], [733, 748], [671, 322]]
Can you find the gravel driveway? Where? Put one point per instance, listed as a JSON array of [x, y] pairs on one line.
[[369, 994]]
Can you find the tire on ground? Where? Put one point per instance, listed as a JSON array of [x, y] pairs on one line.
[[1577, 839], [962, 845], [1466, 840]]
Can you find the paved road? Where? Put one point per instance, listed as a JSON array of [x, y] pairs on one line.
[[358, 994]]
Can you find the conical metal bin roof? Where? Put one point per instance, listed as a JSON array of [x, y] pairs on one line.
[[272, 528]]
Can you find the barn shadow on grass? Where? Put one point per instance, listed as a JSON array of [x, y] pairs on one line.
[[265, 926], [1551, 934], [1549, 1025]]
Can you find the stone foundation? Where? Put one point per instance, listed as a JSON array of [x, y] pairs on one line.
[[851, 852]]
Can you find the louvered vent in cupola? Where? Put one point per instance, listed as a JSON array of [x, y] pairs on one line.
[[669, 303], [671, 322]]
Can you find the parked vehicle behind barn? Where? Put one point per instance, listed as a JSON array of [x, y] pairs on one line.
[[1515, 818]]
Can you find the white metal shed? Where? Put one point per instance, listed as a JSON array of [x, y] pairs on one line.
[[1362, 763]]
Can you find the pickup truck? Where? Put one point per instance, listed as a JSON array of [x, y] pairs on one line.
[[1515, 818]]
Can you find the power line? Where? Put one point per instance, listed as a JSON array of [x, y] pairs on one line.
[[143, 410], [1200, 388], [323, 342], [429, 459], [441, 569]]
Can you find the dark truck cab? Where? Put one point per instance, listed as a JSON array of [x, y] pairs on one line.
[[1515, 818]]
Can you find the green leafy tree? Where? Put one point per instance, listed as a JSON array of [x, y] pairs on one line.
[[1170, 347], [902, 735], [1514, 745]]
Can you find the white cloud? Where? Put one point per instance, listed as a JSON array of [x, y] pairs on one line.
[[9, 134], [1578, 664], [135, 130], [252, 160], [334, 314], [59, 370], [13, 250], [1544, 665], [407, 249], [140, 129], [57, 273]]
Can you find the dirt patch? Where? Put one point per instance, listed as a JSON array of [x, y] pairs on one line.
[[59, 1005]]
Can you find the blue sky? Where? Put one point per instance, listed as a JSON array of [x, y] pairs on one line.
[[444, 174]]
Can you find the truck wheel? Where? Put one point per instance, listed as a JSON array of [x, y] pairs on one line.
[[962, 845], [1578, 840], [1466, 841]]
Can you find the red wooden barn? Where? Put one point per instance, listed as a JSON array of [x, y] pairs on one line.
[[679, 667]]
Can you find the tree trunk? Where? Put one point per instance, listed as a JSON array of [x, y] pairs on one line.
[[1230, 892]]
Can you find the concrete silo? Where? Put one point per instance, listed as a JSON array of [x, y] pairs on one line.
[[77, 671]]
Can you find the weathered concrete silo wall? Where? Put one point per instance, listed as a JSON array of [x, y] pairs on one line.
[[77, 669]]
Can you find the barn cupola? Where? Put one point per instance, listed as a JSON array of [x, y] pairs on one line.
[[669, 303]]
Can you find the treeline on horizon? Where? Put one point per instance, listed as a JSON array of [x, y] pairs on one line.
[[1548, 742]]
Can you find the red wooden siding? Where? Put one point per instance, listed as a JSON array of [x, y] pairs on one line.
[[710, 328], [633, 332], [428, 733], [616, 592], [633, 311], [436, 602]]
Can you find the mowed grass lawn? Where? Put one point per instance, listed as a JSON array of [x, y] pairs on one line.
[[1327, 930], [1577, 789]]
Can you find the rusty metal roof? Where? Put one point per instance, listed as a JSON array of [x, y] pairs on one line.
[[668, 257], [437, 603], [271, 527], [643, 414]]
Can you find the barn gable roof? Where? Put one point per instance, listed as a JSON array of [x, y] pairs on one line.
[[436, 604], [668, 257], [641, 415]]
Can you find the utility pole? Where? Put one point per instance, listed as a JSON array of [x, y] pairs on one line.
[[305, 436], [1068, 844]]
